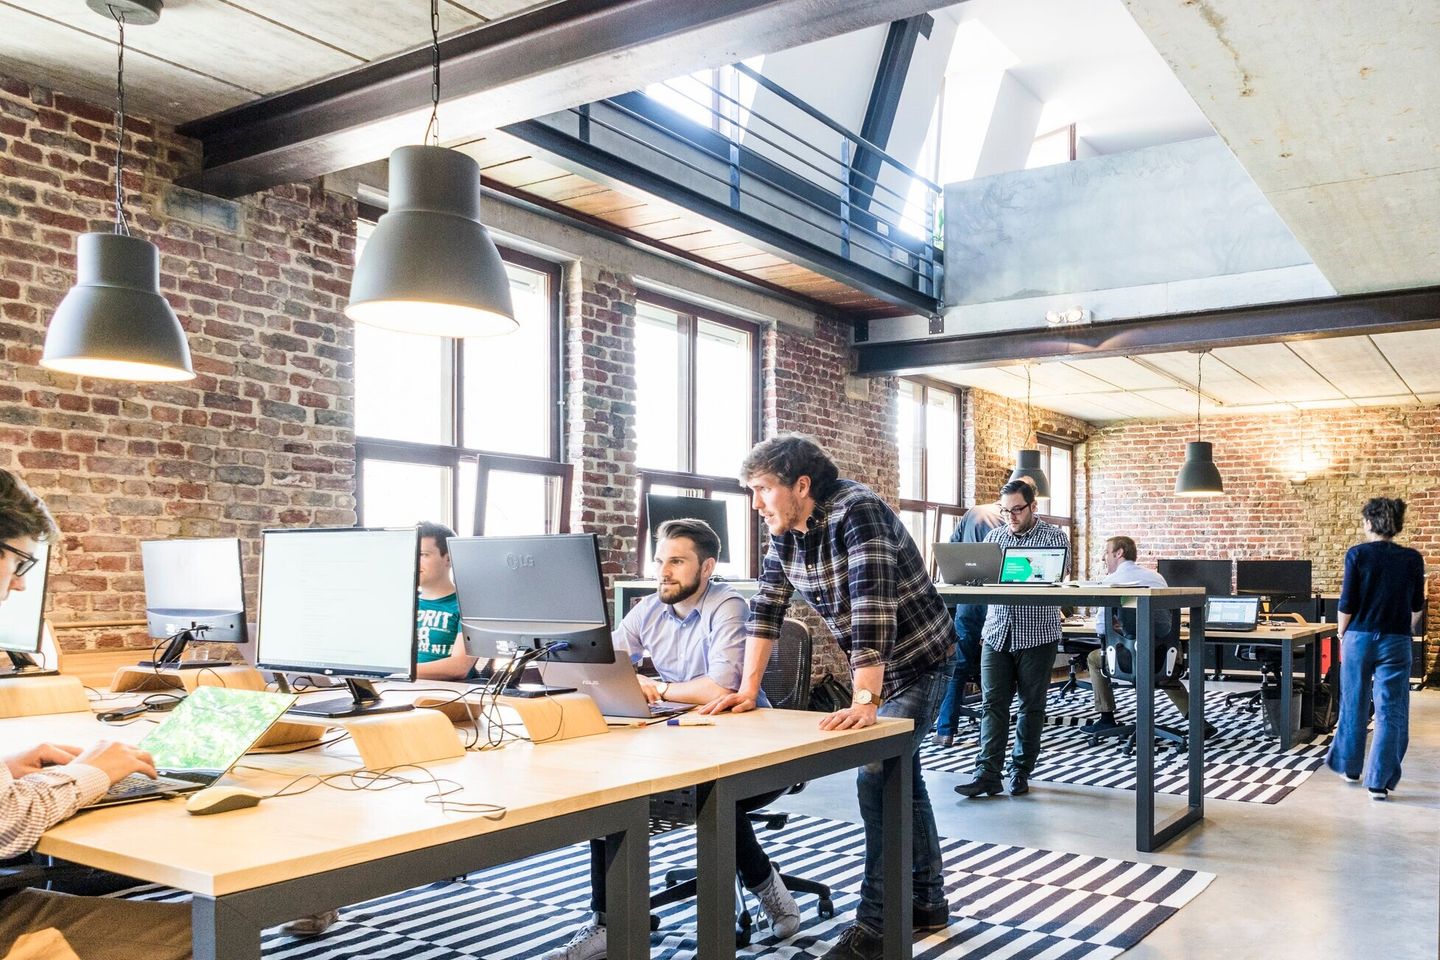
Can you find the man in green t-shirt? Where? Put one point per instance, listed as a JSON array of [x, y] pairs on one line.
[[437, 617]]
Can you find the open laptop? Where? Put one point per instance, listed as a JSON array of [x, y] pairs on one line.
[[970, 564], [1032, 567], [200, 741], [613, 687], [1232, 614]]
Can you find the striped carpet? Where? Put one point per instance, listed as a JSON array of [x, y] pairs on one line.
[[1007, 903], [1241, 763]]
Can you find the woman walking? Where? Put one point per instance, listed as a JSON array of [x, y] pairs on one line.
[[1383, 590]]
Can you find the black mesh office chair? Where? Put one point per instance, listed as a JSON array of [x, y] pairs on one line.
[[1267, 661], [1119, 665], [787, 686]]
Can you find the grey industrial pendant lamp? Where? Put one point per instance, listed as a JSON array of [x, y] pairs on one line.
[[1027, 461], [114, 323], [430, 266], [1199, 477]]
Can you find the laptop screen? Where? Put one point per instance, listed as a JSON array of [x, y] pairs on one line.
[[213, 727], [1231, 610], [1033, 565]]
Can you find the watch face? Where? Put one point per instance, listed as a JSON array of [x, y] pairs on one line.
[[863, 696]]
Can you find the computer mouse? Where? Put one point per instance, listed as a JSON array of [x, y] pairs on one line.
[[220, 800]]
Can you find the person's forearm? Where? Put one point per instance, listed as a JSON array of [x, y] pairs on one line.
[[457, 666], [699, 690], [757, 657], [1343, 621], [870, 678]]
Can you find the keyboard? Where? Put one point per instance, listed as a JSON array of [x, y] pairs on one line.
[[138, 783]]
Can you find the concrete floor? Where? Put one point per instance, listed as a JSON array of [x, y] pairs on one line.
[[1325, 873]]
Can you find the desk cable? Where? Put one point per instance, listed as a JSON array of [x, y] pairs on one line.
[[356, 781]]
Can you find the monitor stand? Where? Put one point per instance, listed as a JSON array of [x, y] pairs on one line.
[[24, 665], [169, 658], [364, 701]]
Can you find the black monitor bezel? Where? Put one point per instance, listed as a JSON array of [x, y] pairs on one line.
[[652, 526], [1268, 589], [1214, 562]]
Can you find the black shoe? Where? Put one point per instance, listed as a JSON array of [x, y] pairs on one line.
[[1019, 784], [1099, 726], [929, 918], [980, 786], [856, 943], [1210, 730], [944, 739]]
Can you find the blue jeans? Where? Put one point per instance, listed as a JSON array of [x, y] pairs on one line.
[[1002, 676], [918, 702], [965, 665], [1378, 665]]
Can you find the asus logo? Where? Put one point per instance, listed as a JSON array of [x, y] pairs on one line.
[[517, 560]]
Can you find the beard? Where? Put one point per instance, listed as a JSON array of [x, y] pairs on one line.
[[679, 592]]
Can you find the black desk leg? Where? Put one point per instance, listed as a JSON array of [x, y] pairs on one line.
[[1287, 692], [897, 862], [221, 932], [1144, 726], [1196, 739], [715, 863], [627, 886]]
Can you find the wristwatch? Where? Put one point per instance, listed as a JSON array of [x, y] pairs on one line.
[[663, 687], [865, 698]]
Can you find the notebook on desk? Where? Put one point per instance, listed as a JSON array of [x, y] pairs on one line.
[[1032, 566], [1232, 614], [613, 686]]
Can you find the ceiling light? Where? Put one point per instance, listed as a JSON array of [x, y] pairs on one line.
[[1066, 318], [1199, 477], [430, 266], [1027, 461], [114, 323]]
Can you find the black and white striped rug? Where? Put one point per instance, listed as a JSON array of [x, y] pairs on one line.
[[1007, 902], [1241, 763]]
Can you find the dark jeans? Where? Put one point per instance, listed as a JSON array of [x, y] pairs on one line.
[[751, 861], [918, 702], [1002, 676], [964, 666], [1378, 665]]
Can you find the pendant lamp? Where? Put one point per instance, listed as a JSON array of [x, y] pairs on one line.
[[430, 266], [1199, 476], [1027, 461], [114, 323]]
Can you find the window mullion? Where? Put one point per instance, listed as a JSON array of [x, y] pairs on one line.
[[689, 328]]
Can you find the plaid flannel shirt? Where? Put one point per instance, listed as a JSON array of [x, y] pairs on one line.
[[858, 567], [1027, 627]]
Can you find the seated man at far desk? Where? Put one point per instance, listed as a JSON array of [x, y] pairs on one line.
[[438, 655], [1120, 556], [693, 630]]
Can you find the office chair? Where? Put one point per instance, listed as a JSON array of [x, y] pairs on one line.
[[787, 686], [1079, 649], [1267, 661], [1119, 664]]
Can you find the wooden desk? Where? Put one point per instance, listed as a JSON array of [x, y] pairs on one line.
[[321, 850]]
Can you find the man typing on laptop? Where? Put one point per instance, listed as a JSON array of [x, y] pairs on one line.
[[693, 630]]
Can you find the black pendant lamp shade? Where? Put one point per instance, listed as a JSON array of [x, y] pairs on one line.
[[1199, 477], [114, 323], [430, 266], [1027, 464]]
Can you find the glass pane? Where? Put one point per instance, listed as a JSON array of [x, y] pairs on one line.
[[404, 494], [914, 521], [907, 437], [1061, 475], [657, 375], [465, 519], [507, 391], [942, 447], [690, 96], [402, 386], [741, 532], [518, 504], [723, 392]]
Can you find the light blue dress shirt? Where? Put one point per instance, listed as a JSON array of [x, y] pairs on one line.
[[709, 642]]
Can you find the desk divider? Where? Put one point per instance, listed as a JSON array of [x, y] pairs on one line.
[[562, 716], [392, 739], [143, 679], [35, 696]]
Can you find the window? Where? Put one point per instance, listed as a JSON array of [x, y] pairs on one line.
[[1057, 459], [696, 378], [440, 421], [928, 436]]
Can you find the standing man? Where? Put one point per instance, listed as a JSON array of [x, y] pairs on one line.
[[1017, 653], [978, 521], [437, 615], [694, 633], [850, 557]]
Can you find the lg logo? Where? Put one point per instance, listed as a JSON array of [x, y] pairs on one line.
[[517, 560]]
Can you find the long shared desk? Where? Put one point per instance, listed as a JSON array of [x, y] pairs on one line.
[[324, 849]]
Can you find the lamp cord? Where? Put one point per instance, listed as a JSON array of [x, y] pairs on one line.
[[1199, 383], [432, 129], [122, 225], [1029, 412]]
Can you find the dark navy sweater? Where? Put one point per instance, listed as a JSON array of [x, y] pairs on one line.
[[1384, 584]]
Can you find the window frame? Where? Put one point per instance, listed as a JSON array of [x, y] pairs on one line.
[[708, 487], [932, 511]]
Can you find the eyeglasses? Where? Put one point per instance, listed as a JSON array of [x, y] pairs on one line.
[[1015, 511], [24, 564]]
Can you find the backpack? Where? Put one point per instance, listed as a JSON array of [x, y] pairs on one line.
[[829, 695]]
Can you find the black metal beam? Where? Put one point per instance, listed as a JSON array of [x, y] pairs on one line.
[[1354, 315], [890, 74], [535, 62]]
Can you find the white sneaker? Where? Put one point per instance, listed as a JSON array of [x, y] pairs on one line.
[[778, 905], [588, 943]]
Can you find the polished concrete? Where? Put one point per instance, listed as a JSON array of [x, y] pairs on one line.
[[1325, 873]]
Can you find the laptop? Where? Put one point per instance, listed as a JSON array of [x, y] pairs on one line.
[[200, 741], [613, 687], [970, 564], [1232, 614], [1032, 567]]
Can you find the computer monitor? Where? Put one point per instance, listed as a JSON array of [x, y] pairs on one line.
[[532, 596], [340, 602], [1277, 579], [659, 509], [194, 591], [1213, 575], [22, 620]]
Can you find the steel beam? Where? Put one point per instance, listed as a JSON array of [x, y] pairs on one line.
[[540, 60], [1355, 315], [890, 74]]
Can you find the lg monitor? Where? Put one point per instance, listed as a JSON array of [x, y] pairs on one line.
[[1212, 575], [22, 620], [1277, 579], [194, 591], [340, 602], [532, 596], [659, 509]]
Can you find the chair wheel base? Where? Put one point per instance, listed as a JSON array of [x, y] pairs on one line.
[[826, 908]]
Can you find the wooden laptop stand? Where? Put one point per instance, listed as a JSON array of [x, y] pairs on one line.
[[562, 716], [225, 674], [34, 696]]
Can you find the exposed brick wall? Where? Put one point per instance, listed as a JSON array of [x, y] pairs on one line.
[[263, 436], [1351, 455]]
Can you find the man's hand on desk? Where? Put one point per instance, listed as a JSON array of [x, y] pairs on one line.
[[738, 702], [652, 692], [36, 758], [118, 760], [857, 716]]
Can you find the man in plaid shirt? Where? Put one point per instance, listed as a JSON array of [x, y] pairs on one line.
[[850, 558], [1017, 652]]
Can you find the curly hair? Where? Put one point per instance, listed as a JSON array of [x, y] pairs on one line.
[[790, 456], [22, 513], [1385, 516]]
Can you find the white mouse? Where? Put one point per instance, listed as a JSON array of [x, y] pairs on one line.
[[221, 799]]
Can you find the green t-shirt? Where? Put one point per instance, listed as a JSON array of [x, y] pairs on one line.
[[436, 624]]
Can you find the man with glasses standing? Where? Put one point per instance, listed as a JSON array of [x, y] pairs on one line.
[[1018, 646]]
